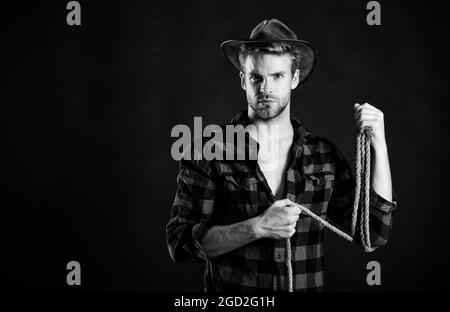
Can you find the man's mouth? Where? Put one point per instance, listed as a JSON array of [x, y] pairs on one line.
[[266, 102]]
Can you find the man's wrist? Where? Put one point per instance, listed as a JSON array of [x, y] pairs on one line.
[[255, 227], [380, 148]]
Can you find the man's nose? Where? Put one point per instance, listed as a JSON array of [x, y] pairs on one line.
[[265, 87]]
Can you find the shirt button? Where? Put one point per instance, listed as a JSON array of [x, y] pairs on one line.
[[277, 256]]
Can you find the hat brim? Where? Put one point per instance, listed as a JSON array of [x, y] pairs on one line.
[[308, 53]]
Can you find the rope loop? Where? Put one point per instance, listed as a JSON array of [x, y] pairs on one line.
[[360, 205]]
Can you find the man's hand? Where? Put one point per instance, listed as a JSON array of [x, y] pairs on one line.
[[278, 221], [367, 115]]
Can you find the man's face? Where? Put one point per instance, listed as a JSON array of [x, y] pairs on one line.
[[268, 81]]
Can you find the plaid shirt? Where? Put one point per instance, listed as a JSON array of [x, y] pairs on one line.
[[221, 192]]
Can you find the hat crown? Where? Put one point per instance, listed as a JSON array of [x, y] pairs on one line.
[[272, 29]]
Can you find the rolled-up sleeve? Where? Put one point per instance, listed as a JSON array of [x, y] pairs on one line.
[[380, 221], [190, 216]]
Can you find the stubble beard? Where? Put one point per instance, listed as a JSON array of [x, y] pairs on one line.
[[272, 110]]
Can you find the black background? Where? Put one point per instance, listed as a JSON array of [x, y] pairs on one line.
[[88, 110]]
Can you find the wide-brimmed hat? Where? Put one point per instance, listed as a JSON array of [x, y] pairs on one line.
[[270, 31]]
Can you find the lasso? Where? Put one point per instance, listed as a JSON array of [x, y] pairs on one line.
[[360, 205]]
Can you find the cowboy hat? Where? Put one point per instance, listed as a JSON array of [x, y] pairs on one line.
[[271, 31]]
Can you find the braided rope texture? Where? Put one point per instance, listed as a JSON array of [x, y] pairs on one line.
[[289, 265]]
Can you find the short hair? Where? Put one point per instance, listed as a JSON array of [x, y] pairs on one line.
[[276, 48]]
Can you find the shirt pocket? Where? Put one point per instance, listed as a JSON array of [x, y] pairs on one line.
[[317, 193], [241, 195]]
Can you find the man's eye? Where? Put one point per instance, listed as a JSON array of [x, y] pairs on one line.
[[254, 78], [278, 76]]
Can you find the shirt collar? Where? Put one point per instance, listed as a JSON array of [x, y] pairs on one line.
[[301, 133]]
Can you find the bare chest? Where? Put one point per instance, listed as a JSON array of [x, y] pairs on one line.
[[274, 163]]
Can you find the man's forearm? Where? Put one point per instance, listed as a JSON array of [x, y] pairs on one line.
[[381, 173], [221, 239]]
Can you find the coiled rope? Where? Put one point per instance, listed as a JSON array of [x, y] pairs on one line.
[[360, 204]]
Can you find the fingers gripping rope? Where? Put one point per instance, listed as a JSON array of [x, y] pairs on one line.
[[360, 205]]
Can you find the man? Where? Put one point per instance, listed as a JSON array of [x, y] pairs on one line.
[[236, 215]]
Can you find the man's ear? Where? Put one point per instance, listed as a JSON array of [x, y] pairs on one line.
[[242, 75], [295, 79]]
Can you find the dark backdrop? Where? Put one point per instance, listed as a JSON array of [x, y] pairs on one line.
[[87, 173]]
